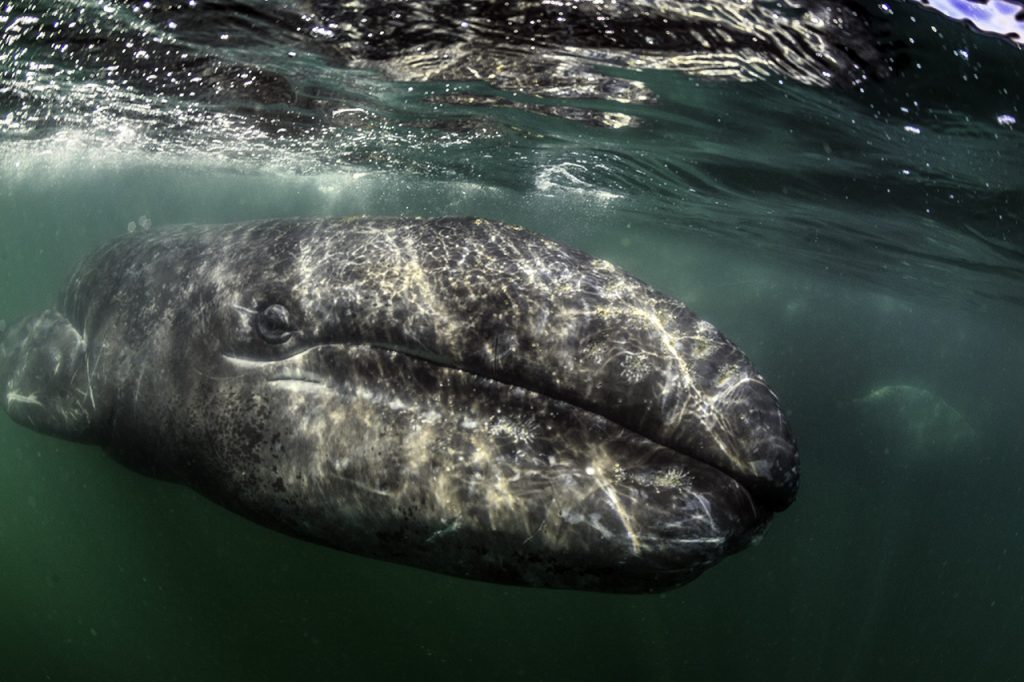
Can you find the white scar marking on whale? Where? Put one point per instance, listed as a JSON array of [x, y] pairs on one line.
[[247, 363], [82, 341], [366, 488], [717, 540], [616, 504], [291, 378], [244, 363], [13, 397], [300, 385]]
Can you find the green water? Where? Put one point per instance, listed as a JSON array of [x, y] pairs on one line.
[[898, 561], [863, 247]]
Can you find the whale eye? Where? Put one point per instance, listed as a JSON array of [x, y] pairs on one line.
[[274, 324]]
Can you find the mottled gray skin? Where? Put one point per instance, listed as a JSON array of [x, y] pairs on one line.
[[455, 394]]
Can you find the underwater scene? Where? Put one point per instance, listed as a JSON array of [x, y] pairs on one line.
[[433, 340]]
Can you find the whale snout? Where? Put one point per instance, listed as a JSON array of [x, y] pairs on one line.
[[764, 454]]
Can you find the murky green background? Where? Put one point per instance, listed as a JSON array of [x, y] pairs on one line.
[[900, 559], [864, 247]]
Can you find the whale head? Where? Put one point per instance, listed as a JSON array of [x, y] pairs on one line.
[[455, 394]]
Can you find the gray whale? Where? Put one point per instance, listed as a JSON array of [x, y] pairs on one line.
[[455, 394]]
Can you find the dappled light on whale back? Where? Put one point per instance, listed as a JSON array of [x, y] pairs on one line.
[[456, 394]]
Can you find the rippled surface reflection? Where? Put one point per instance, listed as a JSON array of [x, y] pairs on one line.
[[864, 136]]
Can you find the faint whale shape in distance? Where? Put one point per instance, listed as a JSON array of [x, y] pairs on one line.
[[915, 422]]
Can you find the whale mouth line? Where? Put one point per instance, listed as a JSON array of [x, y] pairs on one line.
[[304, 381]]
